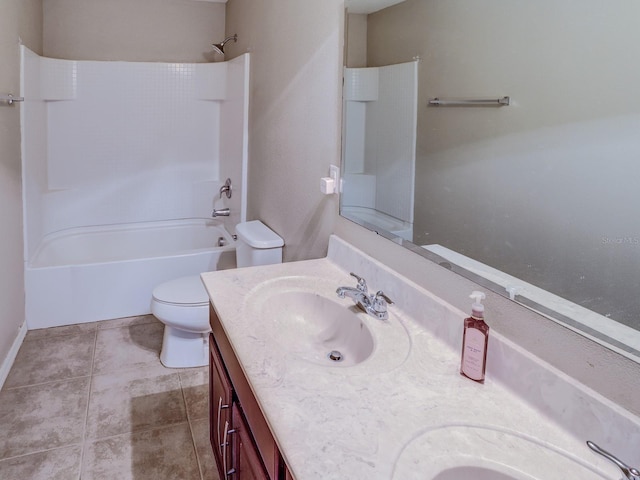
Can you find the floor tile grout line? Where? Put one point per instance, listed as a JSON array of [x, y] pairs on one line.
[[193, 436], [83, 328], [86, 414], [137, 431], [17, 387], [35, 452], [124, 325]]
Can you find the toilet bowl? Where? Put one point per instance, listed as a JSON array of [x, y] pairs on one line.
[[183, 304]]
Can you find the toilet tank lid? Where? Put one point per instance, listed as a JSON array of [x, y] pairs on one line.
[[257, 235]]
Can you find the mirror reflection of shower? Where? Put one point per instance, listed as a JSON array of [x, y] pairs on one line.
[[219, 47], [379, 146]]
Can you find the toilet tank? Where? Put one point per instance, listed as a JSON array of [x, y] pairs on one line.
[[257, 245]]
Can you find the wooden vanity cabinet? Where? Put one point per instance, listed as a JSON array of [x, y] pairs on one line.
[[220, 403], [245, 459], [249, 450]]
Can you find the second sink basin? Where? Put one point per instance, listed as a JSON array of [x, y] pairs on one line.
[[452, 452]]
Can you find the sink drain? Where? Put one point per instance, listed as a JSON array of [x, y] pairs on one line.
[[335, 355]]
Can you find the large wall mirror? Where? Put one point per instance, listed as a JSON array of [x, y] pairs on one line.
[[501, 138]]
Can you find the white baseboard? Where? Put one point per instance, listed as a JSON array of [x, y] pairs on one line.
[[13, 352]]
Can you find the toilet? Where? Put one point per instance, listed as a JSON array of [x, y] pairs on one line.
[[183, 304]]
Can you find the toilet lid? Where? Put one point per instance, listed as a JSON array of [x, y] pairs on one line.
[[184, 290]]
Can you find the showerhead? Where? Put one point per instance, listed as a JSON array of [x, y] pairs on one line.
[[219, 47]]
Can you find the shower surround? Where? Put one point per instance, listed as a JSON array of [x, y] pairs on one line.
[[119, 148], [380, 115]]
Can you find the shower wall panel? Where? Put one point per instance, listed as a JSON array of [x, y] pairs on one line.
[[380, 115], [125, 142], [391, 139]]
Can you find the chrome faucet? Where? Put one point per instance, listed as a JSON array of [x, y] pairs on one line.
[[226, 189], [629, 472], [374, 305], [357, 293], [223, 212]]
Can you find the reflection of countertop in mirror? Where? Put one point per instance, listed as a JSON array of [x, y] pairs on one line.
[[599, 328], [397, 417]]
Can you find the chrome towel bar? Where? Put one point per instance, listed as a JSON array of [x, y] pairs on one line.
[[441, 102]]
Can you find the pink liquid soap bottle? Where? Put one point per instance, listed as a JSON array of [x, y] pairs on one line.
[[474, 341]]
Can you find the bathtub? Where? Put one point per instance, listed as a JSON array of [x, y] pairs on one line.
[[96, 273], [374, 219]]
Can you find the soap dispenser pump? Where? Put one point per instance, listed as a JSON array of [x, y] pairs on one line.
[[474, 341]]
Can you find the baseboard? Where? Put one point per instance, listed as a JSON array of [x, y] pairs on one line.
[[11, 356]]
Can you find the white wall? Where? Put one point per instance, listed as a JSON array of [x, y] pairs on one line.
[[295, 111], [19, 19], [133, 30], [124, 142]]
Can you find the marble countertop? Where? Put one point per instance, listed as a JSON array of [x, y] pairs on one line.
[[406, 412]]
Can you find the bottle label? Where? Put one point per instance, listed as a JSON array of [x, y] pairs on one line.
[[473, 355]]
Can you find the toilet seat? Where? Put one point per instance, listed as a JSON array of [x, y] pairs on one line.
[[183, 291], [182, 303]]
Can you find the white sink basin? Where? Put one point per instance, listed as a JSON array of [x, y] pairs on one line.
[[457, 452], [310, 322], [477, 473], [320, 329]]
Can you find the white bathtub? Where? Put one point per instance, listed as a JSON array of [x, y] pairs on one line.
[[374, 219], [97, 273]]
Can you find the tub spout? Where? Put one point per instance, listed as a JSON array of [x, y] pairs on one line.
[[223, 212]]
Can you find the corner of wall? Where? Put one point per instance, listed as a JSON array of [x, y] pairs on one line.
[[7, 363]]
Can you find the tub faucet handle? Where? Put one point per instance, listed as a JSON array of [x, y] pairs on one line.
[[226, 188]]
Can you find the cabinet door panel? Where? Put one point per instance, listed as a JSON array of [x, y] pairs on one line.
[[220, 398], [246, 459], [288, 475]]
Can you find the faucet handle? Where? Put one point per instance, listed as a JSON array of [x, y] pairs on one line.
[[362, 283], [226, 189], [629, 472], [382, 297], [379, 305]]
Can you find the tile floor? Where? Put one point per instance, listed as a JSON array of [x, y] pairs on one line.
[[94, 402]]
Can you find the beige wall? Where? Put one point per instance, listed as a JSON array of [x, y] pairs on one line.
[[19, 19], [356, 40], [133, 30], [295, 111], [561, 158]]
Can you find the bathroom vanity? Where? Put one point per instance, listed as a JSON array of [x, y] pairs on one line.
[[242, 443], [390, 404]]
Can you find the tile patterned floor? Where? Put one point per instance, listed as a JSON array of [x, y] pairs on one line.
[[93, 402]]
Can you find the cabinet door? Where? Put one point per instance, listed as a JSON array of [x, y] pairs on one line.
[[288, 475], [246, 464], [220, 398]]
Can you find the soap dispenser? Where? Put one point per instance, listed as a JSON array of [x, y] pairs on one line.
[[474, 341]]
